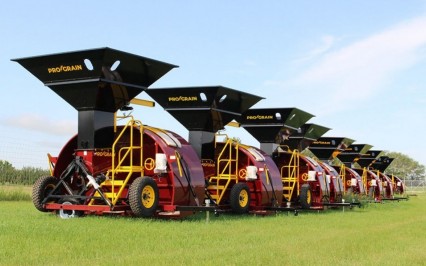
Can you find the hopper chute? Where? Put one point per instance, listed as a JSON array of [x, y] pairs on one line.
[[203, 111], [382, 163], [327, 148], [353, 153], [97, 83], [273, 126], [305, 135], [368, 158]]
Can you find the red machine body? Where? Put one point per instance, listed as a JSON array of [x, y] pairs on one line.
[[336, 188], [239, 177], [372, 183], [352, 181], [128, 169]]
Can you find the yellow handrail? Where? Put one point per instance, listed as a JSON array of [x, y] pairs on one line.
[[290, 174], [226, 173], [343, 176], [128, 154]]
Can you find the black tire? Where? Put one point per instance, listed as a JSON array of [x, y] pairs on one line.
[[41, 188], [240, 198], [338, 198], [371, 192], [305, 196], [143, 197]]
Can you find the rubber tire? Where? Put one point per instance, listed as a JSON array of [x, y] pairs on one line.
[[371, 192], [41, 188], [235, 198], [305, 196], [136, 198], [338, 198]]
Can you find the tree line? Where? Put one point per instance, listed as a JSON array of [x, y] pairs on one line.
[[9, 175]]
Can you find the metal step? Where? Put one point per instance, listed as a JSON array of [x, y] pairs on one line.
[[214, 197], [126, 169], [117, 183], [108, 195], [215, 187]]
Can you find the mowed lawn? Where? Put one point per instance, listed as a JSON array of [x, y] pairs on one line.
[[393, 233]]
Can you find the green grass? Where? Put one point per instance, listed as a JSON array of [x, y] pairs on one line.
[[15, 193], [380, 234]]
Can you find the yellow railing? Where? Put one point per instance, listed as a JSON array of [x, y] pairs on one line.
[[124, 154], [364, 179], [343, 176], [289, 176], [226, 169]]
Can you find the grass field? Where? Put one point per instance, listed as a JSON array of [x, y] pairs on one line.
[[379, 234]]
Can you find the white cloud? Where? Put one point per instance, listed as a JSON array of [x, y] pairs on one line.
[[327, 43], [42, 124], [360, 70]]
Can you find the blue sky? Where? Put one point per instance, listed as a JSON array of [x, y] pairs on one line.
[[358, 66]]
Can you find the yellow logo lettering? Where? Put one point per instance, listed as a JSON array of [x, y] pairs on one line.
[[183, 99], [62, 68], [259, 117]]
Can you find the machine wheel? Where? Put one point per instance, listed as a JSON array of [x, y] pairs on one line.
[[143, 196], [339, 198], [305, 196], [240, 198], [371, 193], [68, 214], [41, 188]]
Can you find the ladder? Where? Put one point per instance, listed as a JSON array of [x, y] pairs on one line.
[[226, 169], [289, 176], [124, 165]]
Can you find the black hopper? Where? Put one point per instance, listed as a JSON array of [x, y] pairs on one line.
[[305, 136], [273, 126], [96, 83], [203, 111], [369, 158], [382, 163], [326, 148], [353, 153]]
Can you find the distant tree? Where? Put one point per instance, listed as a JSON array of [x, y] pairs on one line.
[[7, 172], [25, 176], [405, 167]]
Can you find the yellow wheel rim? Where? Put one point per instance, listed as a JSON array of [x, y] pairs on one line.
[[243, 198], [305, 177], [308, 197], [148, 196]]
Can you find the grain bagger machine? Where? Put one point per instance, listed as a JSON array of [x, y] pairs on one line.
[[238, 177], [109, 168], [281, 133], [371, 182], [391, 183], [380, 166], [367, 161], [326, 149]]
